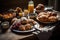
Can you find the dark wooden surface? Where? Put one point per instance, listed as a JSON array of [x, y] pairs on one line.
[[41, 36], [50, 35], [12, 36]]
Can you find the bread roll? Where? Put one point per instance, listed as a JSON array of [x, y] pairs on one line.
[[22, 28], [27, 26], [52, 18], [40, 7]]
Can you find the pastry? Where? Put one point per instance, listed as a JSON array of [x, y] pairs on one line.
[[22, 28], [47, 17], [52, 18], [31, 21], [24, 24], [28, 26], [18, 9], [23, 20], [40, 7]]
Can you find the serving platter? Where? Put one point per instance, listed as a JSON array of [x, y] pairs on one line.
[[48, 22], [26, 31], [18, 31]]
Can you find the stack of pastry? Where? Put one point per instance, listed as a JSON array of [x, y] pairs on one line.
[[24, 24], [7, 15], [47, 17]]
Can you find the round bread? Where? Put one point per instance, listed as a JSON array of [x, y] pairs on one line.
[[31, 21], [40, 7], [22, 28], [47, 17], [27, 26], [18, 9], [23, 20], [52, 18]]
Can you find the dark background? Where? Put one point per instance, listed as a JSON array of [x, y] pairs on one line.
[[7, 4]]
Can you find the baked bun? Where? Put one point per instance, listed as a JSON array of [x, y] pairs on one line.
[[18, 9], [22, 28], [24, 24], [28, 26], [52, 18], [31, 21], [23, 20], [40, 7], [47, 17], [43, 18]]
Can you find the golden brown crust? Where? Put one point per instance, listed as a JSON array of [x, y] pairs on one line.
[[47, 17], [40, 7], [22, 28], [18, 9], [28, 24]]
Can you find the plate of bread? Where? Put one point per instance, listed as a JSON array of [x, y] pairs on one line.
[[47, 17], [24, 25]]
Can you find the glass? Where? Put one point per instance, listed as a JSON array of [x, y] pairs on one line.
[[5, 25], [26, 12], [31, 6]]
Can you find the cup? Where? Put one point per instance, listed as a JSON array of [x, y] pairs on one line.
[[26, 11], [4, 26], [31, 6]]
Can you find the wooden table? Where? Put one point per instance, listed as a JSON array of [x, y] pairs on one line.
[[11, 36]]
